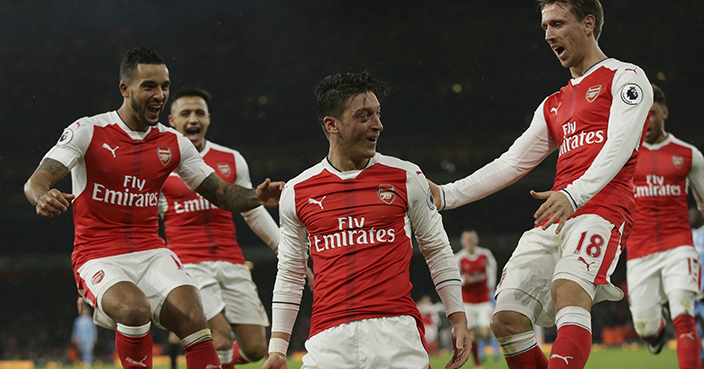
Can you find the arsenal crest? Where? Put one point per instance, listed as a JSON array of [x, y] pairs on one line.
[[592, 93], [224, 169], [164, 155], [97, 277], [386, 193], [677, 161]]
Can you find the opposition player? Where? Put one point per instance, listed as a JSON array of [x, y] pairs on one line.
[[478, 270], [696, 222], [355, 213], [204, 238], [596, 124], [663, 265], [118, 162], [84, 335]]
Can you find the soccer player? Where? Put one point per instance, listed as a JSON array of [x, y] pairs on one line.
[[562, 267], [662, 263], [118, 161], [84, 335], [478, 269], [355, 212], [204, 238]]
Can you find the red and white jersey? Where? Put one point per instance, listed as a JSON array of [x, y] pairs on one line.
[[195, 229], [478, 273], [358, 226], [116, 176], [597, 122], [664, 173]]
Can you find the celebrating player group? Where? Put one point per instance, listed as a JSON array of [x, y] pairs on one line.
[[356, 212]]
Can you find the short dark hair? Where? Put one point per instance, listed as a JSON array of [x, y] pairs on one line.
[[333, 92], [190, 92], [659, 96], [134, 56], [580, 9]]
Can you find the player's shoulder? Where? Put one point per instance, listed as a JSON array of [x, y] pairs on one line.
[[619, 65], [394, 162], [306, 175], [684, 144], [100, 120], [484, 250], [212, 146]]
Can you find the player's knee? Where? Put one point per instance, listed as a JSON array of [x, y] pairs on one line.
[[222, 341], [647, 328], [254, 351], [508, 323], [133, 315]]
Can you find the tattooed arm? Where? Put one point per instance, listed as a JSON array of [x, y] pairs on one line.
[[48, 201], [235, 198]]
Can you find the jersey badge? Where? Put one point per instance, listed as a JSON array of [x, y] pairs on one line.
[[386, 193], [592, 93], [677, 161], [164, 154], [65, 137], [631, 94], [97, 277], [429, 199], [225, 169]]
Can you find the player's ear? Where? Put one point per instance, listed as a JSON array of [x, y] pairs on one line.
[[331, 125], [589, 23], [124, 89], [171, 121], [665, 113]]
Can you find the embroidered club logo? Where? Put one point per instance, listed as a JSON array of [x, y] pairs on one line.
[[224, 169], [97, 277], [592, 93], [164, 154], [387, 193], [677, 161]]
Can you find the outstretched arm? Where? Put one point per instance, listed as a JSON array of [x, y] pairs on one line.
[[48, 201], [235, 198]]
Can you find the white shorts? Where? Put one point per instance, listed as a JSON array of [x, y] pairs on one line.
[[229, 287], [392, 342], [651, 278], [586, 252], [478, 315], [156, 272]]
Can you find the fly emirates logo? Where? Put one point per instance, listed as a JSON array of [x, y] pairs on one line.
[[351, 232], [125, 197], [656, 186], [574, 141]]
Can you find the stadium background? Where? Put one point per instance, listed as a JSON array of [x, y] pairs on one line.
[[466, 76]]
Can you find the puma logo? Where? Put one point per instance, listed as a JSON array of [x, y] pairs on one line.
[[585, 262], [135, 362], [555, 109], [553, 356], [319, 203], [688, 335], [111, 149]]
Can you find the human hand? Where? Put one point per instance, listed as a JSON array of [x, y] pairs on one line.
[[268, 192], [557, 207], [275, 360], [81, 304], [54, 202], [435, 191], [461, 343]]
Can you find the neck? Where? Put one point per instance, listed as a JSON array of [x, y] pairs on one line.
[[594, 56], [661, 137], [127, 115], [344, 162]]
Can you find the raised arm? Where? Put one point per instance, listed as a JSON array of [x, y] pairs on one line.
[[38, 189]]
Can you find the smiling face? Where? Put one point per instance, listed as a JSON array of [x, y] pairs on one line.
[[145, 95], [190, 116], [568, 37], [354, 135]]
